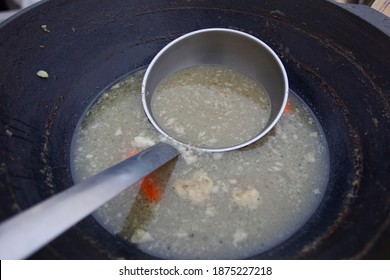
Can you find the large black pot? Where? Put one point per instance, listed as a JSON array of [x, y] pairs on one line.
[[337, 62]]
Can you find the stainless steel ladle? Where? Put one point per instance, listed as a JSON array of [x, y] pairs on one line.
[[25, 233]]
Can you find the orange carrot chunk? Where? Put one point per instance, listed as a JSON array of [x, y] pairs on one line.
[[149, 188], [288, 110]]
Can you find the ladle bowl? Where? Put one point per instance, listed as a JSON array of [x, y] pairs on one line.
[[220, 47]]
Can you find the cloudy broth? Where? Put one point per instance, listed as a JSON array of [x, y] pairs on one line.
[[210, 106], [204, 205]]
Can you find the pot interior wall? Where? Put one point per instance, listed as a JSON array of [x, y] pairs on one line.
[[89, 47]]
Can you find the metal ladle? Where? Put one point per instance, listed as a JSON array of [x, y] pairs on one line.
[[28, 231]]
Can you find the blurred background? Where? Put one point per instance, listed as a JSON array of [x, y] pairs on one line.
[[10, 7]]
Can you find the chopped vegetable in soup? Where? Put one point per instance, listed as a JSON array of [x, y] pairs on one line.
[[204, 205]]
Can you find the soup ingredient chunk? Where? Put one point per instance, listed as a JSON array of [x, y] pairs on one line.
[[141, 236], [42, 74], [246, 197], [149, 187], [197, 189]]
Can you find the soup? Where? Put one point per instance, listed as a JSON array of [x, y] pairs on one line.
[[204, 205], [229, 107]]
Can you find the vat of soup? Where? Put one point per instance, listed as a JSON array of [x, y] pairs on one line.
[[331, 70], [193, 208]]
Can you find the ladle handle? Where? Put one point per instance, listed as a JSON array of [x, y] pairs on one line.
[[30, 230]]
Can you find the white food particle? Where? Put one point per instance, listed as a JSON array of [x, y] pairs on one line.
[[314, 134], [211, 211], [316, 191], [246, 197], [309, 157], [170, 121], [187, 155], [274, 168], [141, 236], [118, 132], [233, 181], [94, 126], [44, 28], [197, 189], [89, 156], [179, 130], [143, 142], [239, 236], [8, 132], [42, 74]]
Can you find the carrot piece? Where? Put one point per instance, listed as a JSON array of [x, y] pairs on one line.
[[288, 110], [149, 188]]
